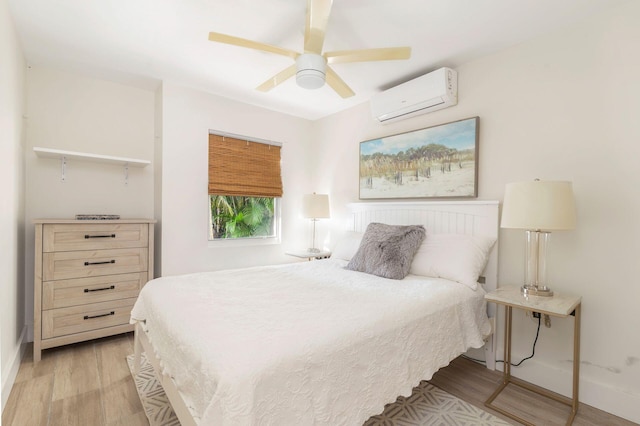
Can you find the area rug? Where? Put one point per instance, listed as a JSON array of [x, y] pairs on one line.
[[427, 406], [154, 401]]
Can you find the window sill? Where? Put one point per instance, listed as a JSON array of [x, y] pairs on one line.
[[243, 242]]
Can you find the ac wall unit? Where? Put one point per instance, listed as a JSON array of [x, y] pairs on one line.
[[428, 93]]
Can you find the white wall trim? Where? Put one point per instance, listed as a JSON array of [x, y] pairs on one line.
[[9, 378]]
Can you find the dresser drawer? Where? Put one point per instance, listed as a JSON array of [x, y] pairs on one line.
[[78, 319], [82, 291], [90, 263], [74, 237]]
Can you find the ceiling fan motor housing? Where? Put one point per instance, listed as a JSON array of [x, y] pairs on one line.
[[311, 70]]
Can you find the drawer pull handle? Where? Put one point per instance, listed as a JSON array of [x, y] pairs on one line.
[[87, 290], [100, 263], [98, 316], [87, 236]]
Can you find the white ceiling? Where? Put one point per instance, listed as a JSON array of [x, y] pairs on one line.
[[145, 41]]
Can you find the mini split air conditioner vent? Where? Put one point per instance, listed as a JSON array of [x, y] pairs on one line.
[[428, 93]]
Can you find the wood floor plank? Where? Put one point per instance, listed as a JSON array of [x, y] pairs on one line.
[[120, 399], [109, 354], [76, 371], [78, 410], [29, 402], [28, 370], [138, 419], [119, 396]]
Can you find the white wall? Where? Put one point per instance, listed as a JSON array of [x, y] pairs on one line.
[[12, 325], [565, 106], [76, 113], [187, 117]]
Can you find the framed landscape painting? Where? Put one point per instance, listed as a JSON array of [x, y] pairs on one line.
[[436, 162]]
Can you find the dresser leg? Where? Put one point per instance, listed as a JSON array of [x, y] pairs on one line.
[[37, 352]]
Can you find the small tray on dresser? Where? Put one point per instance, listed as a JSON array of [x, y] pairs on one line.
[[97, 216]]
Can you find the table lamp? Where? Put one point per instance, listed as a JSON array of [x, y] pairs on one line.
[[315, 207], [539, 207]]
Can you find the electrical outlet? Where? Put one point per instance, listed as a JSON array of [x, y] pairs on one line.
[[536, 314], [547, 321]]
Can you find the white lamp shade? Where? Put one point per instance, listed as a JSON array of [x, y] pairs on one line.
[[315, 206], [539, 205]]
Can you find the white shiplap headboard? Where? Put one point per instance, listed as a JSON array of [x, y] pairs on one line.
[[460, 217]]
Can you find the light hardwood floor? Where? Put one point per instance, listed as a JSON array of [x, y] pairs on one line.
[[473, 383], [90, 384], [85, 384]]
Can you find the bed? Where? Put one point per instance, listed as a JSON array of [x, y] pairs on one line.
[[314, 342]]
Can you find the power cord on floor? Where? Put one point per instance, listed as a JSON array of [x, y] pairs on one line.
[[533, 350]]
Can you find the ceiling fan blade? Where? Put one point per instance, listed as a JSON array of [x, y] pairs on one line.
[[364, 55], [317, 18], [237, 41], [338, 85], [277, 79]]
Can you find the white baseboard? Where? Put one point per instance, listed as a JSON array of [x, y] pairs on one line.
[[620, 402], [9, 379]]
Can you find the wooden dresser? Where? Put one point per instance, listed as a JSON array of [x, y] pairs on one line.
[[88, 274]]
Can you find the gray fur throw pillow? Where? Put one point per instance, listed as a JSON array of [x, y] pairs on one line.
[[387, 250]]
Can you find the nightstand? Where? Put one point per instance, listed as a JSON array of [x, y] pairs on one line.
[[559, 305], [305, 254]]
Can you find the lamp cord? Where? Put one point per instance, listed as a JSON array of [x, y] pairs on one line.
[[533, 349]]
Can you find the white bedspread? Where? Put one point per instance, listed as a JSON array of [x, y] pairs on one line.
[[304, 344]]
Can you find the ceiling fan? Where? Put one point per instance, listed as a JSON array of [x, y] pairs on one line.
[[311, 67]]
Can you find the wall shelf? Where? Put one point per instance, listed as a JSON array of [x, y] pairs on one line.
[[64, 156], [73, 155]]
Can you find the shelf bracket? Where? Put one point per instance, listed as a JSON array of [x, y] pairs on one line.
[[63, 165], [63, 156]]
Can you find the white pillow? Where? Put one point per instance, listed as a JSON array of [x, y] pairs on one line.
[[456, 257], [347, 246]]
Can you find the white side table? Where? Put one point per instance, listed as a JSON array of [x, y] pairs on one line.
[[559, 305], [309, 255]]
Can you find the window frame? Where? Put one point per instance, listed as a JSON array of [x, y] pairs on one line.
[[277, 211]]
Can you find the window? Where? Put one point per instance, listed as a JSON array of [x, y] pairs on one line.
[[242, 217], [245, 186]]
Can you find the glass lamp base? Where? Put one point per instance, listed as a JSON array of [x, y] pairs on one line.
[[530, 290], [313, 250]]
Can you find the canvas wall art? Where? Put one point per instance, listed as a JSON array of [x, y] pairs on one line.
[[436, 162]]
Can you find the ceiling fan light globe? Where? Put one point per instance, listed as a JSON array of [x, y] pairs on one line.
[[311, 69], [310, 79]]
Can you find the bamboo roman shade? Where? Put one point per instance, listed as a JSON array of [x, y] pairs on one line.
[[241, 168]]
